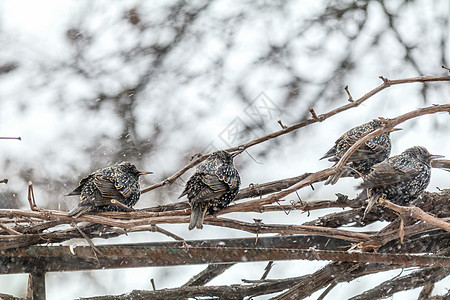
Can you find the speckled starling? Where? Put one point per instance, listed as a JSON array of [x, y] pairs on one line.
[[213, 186], [401, 178], [119, 182], [373, 151]]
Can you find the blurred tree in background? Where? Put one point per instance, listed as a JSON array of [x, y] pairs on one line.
[[157, 82]]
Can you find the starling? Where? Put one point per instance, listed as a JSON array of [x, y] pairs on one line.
[[399, 179], [119, 182], [213, 186], [373, 151]]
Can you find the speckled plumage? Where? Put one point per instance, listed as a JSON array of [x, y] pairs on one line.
[[119, 182], [373, 151], [401, 178], [212, 187]]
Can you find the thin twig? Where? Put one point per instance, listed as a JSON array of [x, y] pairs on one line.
[[281, 124], [177, 174], [314, 115], [350, 98], [426, 291], [267, 270], [9, 230], [31, 199], [205, 276], [327, 290], [168, 233], [121, 205], [95, 250], [152, 281]]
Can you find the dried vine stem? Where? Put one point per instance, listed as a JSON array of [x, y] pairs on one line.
[[416, 213], [378, 240], [253, 228], [299, 287], [259, 228], [138, 221], [9, 230], [318, 118]]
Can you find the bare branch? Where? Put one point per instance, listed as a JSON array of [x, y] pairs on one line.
[[414, 280], [416, 213], [9, 230], [205, 276], [440, 163], [58, 258]]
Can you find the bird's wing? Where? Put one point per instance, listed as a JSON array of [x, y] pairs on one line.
[[125, 185], [90, 195], [365, 150], [229, 175], [380, 144], [215, 183], [343, 144], [77, 190], [388, 172], [329, 153], [108, 188], [203, 187], [213, 188]]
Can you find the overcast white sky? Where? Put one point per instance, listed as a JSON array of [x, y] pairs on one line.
[[35, 31]]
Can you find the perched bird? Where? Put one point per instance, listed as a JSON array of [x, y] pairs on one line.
[[399, 179], [119, 182], [371, 152], [213, 186]]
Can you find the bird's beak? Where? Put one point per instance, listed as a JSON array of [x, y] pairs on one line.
[[434, 156], [144, 173], [237, 153]]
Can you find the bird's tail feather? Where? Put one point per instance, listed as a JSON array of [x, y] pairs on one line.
[[329, 153], [372, 200], [78, 211], [332, 179], [197, 214]]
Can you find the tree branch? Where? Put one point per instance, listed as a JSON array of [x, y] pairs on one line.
[[404, 283]]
